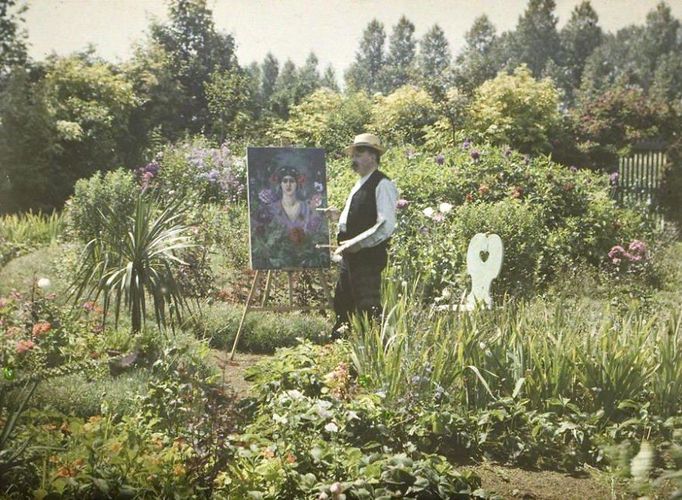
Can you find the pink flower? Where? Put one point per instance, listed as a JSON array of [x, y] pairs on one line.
[[3, 302], [637, 248], [315, 201], [41, 328], [438, 217], [24, 345], [616, 254], [402, 203]]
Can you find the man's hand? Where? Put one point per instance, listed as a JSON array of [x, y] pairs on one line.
[[332, 213]]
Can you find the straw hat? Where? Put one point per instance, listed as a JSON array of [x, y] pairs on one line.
[[366, 140]]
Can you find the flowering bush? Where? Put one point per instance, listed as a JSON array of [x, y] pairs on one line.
[[549, 216], [206, 173]]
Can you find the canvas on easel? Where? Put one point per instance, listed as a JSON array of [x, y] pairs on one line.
[[286, 186], [287, 232]]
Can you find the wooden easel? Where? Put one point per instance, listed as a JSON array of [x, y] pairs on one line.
[[266, 295]]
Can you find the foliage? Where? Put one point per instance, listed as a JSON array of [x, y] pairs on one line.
[[561, 216], [325, 119], [261, 332], [608, 124], [515, 110], [116, 190], [20, 234], [308, 439], [61, 128], [400, 117], [136, 257]]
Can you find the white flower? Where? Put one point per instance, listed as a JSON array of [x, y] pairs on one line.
[[335, 489], [352, 415], [43, 283], [445, 207], [446, 294], [331, 427], [295, 395], [278, 419], [428, 211]]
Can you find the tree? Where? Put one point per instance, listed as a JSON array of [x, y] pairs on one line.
[[536, 40], [308, 78], [400, 61], [269, 73], [228, 94], [662, 35], [365, 72], [195, 51], [66, 125], [401, 117], [329, 79], [284, 95], [579, 37], [477, 63], [12, 37], [434, 54]]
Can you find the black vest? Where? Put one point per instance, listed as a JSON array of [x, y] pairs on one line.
[[362, 215]]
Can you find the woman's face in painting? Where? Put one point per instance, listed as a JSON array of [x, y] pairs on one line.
[[288, 185]]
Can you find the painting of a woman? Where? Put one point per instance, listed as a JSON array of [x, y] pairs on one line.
[[285, 227]]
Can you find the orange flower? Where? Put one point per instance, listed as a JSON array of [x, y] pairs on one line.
[[517, 192], [290, 458], [483, 189], [41, 327], [469, 197], [24, 345]]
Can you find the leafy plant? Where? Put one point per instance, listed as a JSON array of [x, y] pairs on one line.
[[136, 258]]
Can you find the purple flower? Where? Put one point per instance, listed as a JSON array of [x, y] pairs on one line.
[[507, 152], [613, 178], [402, 203], [266, 196], [475, 155], [424, 230], [440, 159], [573, 169], [466, 144]]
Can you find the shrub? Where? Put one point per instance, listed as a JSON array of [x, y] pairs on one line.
[[401, 117], [568, 214], [115, 190], [325, 119], [263, 332], [516, 110]]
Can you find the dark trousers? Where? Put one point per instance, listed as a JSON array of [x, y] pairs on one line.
[[358, 290]]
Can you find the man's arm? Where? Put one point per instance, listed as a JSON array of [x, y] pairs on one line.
[[387, 198]]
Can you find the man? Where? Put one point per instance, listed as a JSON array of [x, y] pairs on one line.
[[365, 227]]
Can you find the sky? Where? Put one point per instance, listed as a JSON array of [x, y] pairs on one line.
[[290, 28]]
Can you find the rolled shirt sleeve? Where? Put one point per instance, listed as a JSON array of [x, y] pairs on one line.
[[387, 198]]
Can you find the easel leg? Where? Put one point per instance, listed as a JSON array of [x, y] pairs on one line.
[[246, 309], [266, 293]]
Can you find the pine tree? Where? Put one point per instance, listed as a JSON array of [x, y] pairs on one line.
[[308, 78], [12, 37], [365, 72], [477, 62], [536, 40], [269, 73], [434, 54], [284, 95], [579, 37], [400, 61], [329, 79]]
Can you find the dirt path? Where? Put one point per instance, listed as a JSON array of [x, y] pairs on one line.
[[515, 483], [234, 370]]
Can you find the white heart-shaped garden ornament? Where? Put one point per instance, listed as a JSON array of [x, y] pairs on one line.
[[484, 261]]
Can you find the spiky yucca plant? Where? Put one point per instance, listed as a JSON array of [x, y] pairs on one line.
[[136, 259]]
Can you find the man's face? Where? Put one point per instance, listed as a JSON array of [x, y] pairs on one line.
[[363, 161]]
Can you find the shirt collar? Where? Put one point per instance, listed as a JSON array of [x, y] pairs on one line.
[[365, 177]]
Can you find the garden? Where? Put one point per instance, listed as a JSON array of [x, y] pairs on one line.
[[122, 284]]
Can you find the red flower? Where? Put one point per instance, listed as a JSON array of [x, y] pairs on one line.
[[296, 235], [300, 180], [469, 197]]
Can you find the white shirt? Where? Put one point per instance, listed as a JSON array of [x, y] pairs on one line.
[[387, 198]]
